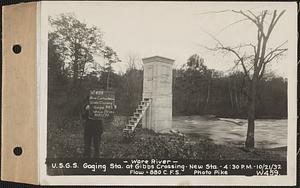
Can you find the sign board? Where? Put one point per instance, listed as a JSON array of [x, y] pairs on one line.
[[102, 104]]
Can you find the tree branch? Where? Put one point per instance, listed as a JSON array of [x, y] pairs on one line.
[[277, 49], [255, 20], [240, 59], [280, 52], [274, 21], [233, 23], [281, 13], [260, 75]]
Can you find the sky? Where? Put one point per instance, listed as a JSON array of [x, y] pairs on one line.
[[175, 30]]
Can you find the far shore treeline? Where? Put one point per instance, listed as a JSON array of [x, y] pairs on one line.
[[194, 93], [197, 90]]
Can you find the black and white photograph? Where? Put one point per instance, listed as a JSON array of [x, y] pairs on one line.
[[169, 89]]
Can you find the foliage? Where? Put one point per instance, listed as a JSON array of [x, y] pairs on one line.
[[199, 91], [111, 56], [72, 68], [76, 43], [192, 85], [202, 91]]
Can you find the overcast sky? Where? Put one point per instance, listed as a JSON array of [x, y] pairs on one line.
[[174, 30]]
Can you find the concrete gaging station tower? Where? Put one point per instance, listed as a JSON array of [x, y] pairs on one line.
[[155, 110], [157, 86]]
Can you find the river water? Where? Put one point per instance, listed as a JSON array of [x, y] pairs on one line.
[[269, 133]]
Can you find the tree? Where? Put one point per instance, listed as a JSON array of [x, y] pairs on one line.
[[195, 62], [76, 42], [55, 61], [132, 84], [134, 62], [237, 92], [189, 81], [203, 76], [111, 56], [254, 63], [57, 77]]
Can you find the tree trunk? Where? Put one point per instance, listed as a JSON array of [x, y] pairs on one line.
[[231, 98], [249, 144], [75, 66], [207, 97], [107, 81], [236, 101], [198, 111]]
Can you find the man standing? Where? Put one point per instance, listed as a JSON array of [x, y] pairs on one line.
[[93, 130]]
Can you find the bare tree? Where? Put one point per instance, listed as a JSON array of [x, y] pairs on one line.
[[254, 58], [133, 62], [133, 83]]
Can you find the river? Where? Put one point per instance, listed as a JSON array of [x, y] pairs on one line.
[[269, 133]]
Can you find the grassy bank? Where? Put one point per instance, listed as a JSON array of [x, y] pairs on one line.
[[65, 140]]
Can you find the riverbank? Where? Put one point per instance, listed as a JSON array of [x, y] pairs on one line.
[[65, 140]]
